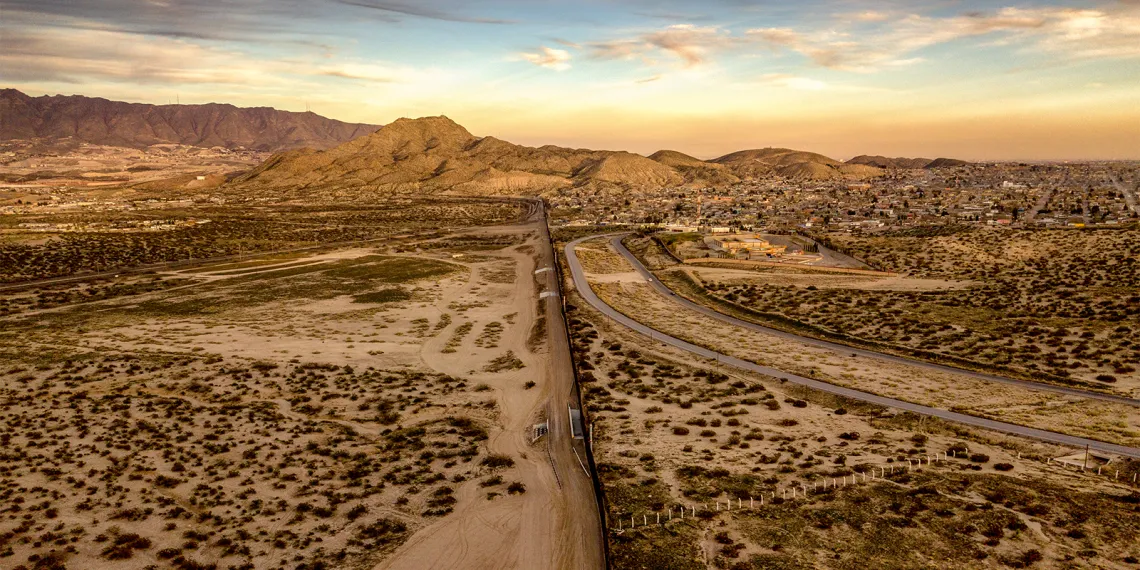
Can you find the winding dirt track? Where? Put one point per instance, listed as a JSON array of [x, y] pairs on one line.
[[583, 287]]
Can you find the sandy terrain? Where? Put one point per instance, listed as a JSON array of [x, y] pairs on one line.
[[1105, 421], [823, 280], [392, 389], [677, 432]]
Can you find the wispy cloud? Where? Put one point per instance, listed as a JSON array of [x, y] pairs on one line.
[[85, 56], [1067, 32], [873, 40], [691, 45], [567, 43], [550, 58], [421, 10]]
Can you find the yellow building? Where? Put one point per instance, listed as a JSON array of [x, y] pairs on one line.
[[747, 243]]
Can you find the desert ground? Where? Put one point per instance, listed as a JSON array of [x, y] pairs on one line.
[[38, 176], [673, 431], [1058, 306], [361, 406], [1107, 421]]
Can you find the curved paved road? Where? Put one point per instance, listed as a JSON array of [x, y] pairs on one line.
[[587, 293], [662, 289]]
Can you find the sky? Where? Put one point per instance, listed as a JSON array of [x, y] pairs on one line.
[[1033, 80]]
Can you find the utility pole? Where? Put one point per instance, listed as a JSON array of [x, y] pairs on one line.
[[1086, 458]]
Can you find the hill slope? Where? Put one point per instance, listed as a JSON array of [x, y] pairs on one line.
[[113, 123], [794, 164], [695, 170], [434, 154], [905, 163], [886, 162]]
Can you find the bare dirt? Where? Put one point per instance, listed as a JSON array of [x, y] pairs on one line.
[[296, 411], [1099, 420]]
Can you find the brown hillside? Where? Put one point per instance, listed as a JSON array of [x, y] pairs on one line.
[[435, 154], [890, 163], [809, 171], [695, 171], [99, 121], [675, 159], [946, 163], [789, 163], [627, 168]]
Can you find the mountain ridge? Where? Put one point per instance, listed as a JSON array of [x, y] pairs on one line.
[[96, 120], [436, 154], [905, 163]]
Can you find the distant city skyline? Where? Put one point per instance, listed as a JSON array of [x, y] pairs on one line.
[[1033, 80]]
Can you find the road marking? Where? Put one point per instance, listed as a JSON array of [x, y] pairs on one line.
[[548, 294]]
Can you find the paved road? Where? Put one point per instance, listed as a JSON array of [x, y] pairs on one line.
[[587, 293], [1041, 204], [662, 289], [1129, 196]]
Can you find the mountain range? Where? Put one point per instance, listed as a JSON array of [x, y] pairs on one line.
[[113, 123], [904, 163], [435, 154], [431, 154]]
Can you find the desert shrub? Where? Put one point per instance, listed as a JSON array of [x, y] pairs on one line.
[[384, 296], [357, 512], [495, 461], [124, 546]]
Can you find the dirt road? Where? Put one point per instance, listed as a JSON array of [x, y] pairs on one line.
[[555, 524]]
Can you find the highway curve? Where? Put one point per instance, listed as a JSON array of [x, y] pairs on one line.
[[662, 289], [590, 297]]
